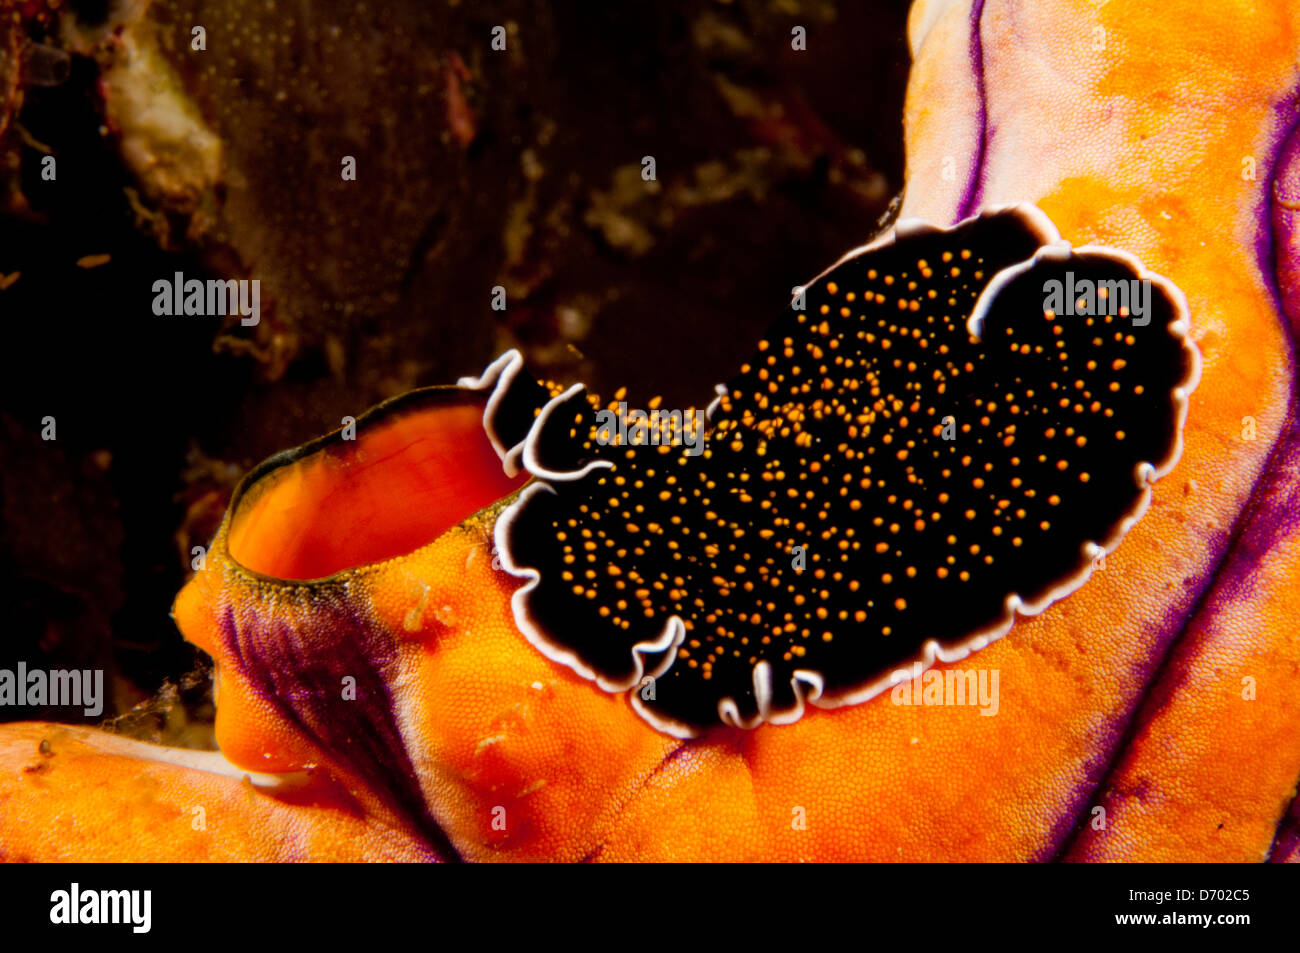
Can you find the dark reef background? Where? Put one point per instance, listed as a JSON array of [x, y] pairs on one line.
[[475, 168]]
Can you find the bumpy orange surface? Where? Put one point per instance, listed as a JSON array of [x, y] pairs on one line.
[[1130, 124]]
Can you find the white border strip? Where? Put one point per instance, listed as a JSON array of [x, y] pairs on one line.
[[498, 377]]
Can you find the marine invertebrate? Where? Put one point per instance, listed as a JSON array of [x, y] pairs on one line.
[[936, 448], [1129, 696]]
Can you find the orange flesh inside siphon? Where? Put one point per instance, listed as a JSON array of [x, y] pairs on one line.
[[398, 486]]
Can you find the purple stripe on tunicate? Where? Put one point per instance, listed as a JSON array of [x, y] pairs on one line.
[[1286, 842], [1276, 226], [974, 190], [1112, 736], [1283, 248], [296, 650], [1272, 514]]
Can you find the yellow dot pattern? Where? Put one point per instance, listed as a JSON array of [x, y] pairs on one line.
[[875, 477]]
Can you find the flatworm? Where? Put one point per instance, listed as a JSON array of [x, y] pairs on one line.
[[928, 446]]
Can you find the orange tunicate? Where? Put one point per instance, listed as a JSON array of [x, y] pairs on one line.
[[1163, 692]]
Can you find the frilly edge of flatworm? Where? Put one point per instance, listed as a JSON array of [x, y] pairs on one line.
[[778, 689]]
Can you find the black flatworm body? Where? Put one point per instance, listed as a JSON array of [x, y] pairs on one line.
[[951, 428]]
